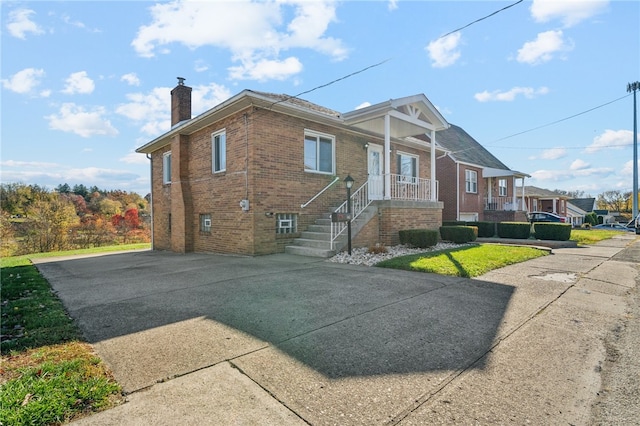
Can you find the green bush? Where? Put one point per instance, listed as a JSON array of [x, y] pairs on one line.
[[485, 229], [552, 231], [591, 218], [421, 238], [518, 230], [454, 223], [459, 234]]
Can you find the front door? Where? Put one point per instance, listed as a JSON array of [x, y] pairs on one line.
[[376, 178]]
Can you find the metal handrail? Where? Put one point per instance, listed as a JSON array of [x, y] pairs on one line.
[[302, 206], [359, 202]]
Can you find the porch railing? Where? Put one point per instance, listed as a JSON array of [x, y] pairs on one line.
[[502, 204], [359, 201], [411, 188], [302, 206]]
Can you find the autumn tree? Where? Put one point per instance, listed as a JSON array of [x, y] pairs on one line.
[[614, 201], [49, 224]]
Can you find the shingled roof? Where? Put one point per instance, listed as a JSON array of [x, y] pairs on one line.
[[466, 149]]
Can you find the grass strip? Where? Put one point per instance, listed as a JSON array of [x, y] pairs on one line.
[[592, 236], [48, 375], [468, 261]]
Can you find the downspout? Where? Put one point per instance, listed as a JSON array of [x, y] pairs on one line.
[[151, 197], [434, 196], [387, 157], [457, 191], [246, 159]]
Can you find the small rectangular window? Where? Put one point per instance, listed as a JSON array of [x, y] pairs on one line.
[[318, 152], [205, 222], [471, 181], [286, 223], [219, 151], [166, 167], [502, 187]]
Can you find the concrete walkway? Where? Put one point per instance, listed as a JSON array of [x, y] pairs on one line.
[[286, 340]]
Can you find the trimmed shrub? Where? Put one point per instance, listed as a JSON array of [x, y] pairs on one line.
[[454, 223], [421, 238], [485, 229], [518, 230], [552, 231], [459, 234]]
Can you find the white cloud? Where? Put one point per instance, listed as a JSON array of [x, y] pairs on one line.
[[566, 174], [393, 4], [510, 95], [24, 81], [75, 119], [52, 174], [579, 164], [254, 32], [570, 12], [78, 82], [131, 79], [153, 109], [543, 48], [551, 154], [444, 51], [265, 69], [200, 66], [135, 158], [20, 23], [627, 168], [363, 105], [611, 139]]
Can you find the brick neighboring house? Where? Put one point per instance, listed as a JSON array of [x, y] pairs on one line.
[[260, 173], [474, 184], [544, 200]]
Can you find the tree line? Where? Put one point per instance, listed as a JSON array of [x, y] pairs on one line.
[[34, 219]]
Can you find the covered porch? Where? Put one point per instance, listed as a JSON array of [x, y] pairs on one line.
[[497, 198]]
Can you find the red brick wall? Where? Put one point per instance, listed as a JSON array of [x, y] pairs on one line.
[[446, 173], [265, 164], [398, 215]]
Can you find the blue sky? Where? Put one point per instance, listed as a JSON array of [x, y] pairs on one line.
[[83, 84]]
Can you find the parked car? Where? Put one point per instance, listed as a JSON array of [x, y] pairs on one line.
[[614, 227], [545, 217]]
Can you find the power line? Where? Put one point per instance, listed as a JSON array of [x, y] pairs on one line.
[[557, 121], [481, 19]]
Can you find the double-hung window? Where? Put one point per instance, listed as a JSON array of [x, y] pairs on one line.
[[319, 152], [502, 187], [407, 168], [166, 167], [471, 181], [219, 151]]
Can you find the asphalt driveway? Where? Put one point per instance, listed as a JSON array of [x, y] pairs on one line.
[[286, 339]]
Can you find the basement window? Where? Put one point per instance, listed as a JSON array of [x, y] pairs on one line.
[[286, 223], [205, 223]]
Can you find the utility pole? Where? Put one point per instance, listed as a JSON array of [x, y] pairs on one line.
[[633, 87]]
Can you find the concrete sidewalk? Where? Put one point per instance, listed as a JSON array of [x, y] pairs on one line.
[[204, 339]]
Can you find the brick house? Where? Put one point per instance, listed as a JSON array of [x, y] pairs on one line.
[[261, 173], [544, 200], [474, 184]]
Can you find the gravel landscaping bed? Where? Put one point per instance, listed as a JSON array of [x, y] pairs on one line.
[[361, 256]]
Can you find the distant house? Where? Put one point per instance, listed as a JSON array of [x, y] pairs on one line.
[[575, 214], [544, 200], [474, 184], [261, 173]]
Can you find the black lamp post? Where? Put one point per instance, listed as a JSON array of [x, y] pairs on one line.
[[348, 182]]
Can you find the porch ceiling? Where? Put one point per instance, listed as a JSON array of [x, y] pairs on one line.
[[409, 116], [491, 172]]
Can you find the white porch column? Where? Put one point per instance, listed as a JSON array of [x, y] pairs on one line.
[[387, 156], [489, 192], [514, 201], [434, 195], [523, 202], [555, 207]]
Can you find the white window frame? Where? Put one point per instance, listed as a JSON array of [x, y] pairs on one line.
[[286, 223], [166, 168], [471, 181], [401, 176], [205, 222], [502, 187], [218, 159], [310, 134]]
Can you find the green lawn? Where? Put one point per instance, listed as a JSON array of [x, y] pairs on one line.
[[592, 236], [468, 261], [48, 375]]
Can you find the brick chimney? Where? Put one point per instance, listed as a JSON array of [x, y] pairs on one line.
[[180, 103]]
